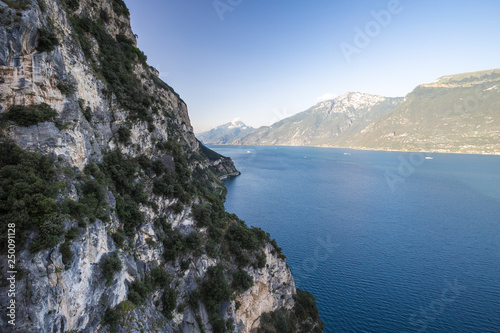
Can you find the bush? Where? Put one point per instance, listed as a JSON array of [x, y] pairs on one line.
[[67, 88], [276, 322], [194, 299], [241, 280], [120, 172], [218, 324], [277, 250], [177, 208], [305, 305], [87, 113], [242, 240], [30, 115], [164, 186], [174, 245], [169, 301], [129, 214], [72, 4], [67, 254], [51, 231], [118, 238], [215, 289], [75, 209], [109, 266], [242, 258], [47, 41], [27, 197], [212, 249], [112, 317], [301, 318], [94, 201], [71, 234], [216, 234], [120, 8], [124, 134], [139, 290], [184, 265], [193, 241], [160, 277], [135, 297], [260, 261], [202, 215]]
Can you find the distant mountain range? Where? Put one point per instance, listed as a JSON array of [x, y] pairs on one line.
[[457, 113], [328, 123], [225, 134]]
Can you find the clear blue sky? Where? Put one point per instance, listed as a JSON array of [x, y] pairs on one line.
[[268, 59]]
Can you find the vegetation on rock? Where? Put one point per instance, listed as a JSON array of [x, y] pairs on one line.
[[30, 115]]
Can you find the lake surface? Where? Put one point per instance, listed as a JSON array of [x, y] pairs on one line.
[[386, 241]]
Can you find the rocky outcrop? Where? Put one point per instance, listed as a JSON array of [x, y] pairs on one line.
[[155, 140], [273, 289]]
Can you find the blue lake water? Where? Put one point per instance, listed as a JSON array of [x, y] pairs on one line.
[[386, 241]]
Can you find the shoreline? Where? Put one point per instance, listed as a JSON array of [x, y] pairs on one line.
[[362, 149]]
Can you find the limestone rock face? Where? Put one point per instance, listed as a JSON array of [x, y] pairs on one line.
[[54, 297], [273, 289]]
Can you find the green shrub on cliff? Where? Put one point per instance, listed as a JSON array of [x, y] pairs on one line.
[[120, 8], [169, 300], [27, 196], [30, 115], [47, 41], [109, 266], [241, 280], [286, 322]]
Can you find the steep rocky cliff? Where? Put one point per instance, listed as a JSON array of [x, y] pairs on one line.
[[117, 208]]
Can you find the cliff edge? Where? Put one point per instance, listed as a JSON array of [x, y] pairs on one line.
[[112, 212]]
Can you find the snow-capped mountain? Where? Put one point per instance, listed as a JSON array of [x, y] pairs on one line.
[[226, 133]]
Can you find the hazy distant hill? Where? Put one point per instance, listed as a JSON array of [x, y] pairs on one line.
[[225, 134], [329, 123], [457, 113]]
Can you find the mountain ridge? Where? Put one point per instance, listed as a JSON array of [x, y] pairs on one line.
[[325, 123], [457, 113]]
